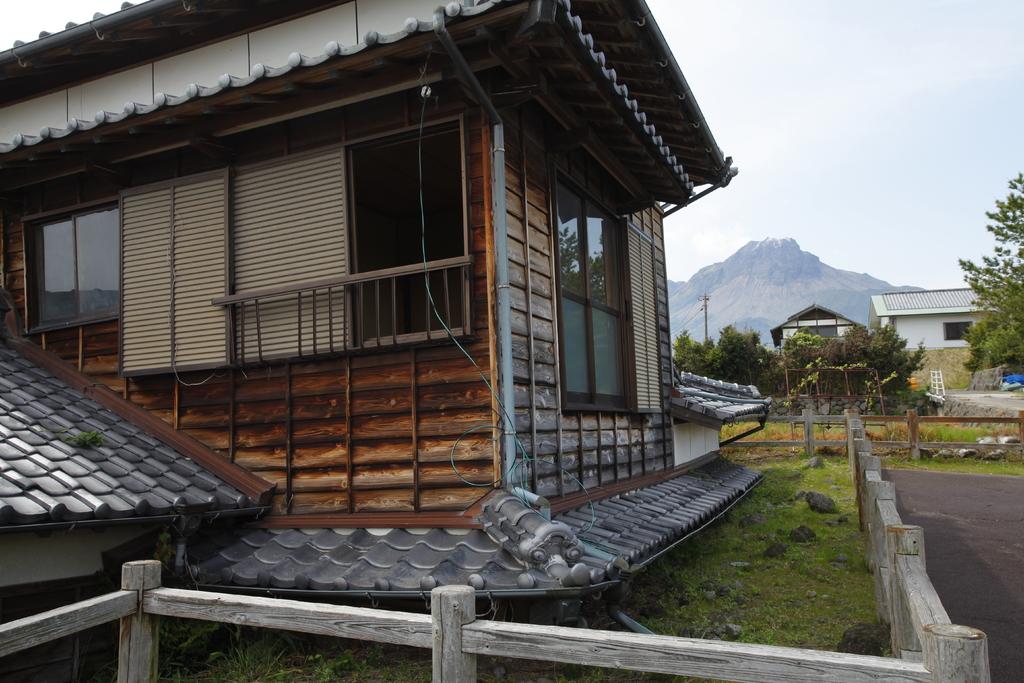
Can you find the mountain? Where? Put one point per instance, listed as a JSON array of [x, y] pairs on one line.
[[764, 283]]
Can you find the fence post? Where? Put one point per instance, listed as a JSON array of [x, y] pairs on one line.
[[879, 562], [902, 539], [138, 647], [913, 434], [954, 654], [451, 608], [1021, 435], [851, 453], [809, 431]]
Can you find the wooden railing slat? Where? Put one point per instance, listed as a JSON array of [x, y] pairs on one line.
[[341, 621], [681, 656], [65, 621]]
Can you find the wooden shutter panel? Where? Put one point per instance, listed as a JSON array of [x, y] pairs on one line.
[[145, 280], [289, 228], [644, 313], [173, 265]]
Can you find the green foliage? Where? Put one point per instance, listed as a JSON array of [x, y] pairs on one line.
[[740, 357], [999, 283], [85, 440]]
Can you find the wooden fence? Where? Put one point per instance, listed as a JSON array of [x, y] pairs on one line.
[[904, 596], [805, 424], [951, 653]]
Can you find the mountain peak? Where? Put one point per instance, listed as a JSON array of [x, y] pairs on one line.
[[765, 282]]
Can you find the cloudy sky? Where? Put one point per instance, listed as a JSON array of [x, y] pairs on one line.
[[875, 133]]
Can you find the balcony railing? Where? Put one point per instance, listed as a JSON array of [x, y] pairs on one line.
[[381, 308]]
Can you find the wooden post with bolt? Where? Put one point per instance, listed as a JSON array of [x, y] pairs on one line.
[[809, 432], [451, 608], [138, 646]]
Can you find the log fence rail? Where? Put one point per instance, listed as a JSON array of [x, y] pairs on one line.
[[809, 420]]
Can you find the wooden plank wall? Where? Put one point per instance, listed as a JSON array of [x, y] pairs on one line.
[[567, 445], [368, 432]]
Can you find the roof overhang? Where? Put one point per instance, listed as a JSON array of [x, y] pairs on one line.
[[540, 49]]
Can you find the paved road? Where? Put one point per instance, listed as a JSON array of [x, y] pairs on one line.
[[974, 545], [1004, 402]]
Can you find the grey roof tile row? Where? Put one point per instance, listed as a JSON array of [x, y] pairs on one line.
[[516, 550], [333, 50], [46, 478], [713, 399]]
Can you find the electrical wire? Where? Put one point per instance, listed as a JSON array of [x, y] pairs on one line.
[[522, 456]]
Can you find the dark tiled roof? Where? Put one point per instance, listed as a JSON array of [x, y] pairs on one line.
[[44, 479], [640, 524], [711, 399], [516, 550]]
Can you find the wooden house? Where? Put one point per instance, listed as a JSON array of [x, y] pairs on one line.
[[404, 267]]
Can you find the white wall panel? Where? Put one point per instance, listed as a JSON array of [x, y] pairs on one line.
[[111, 93], [928, 329], [203, 66], [307, 35], [693, 441], [28, 558], [31, 116], [388, 16]]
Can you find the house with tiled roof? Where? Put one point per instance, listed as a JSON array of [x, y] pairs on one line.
[[934, 318], [357, 298]]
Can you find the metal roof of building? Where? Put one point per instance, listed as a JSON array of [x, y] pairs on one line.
[[516, 551], [927, 301], [46, 479]]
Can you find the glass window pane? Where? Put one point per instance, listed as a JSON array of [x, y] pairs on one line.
[[596, 266], [574, 326], [98, 259], [569, 247], [57, 284], [607, 373]]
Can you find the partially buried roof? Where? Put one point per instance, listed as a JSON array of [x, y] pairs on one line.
[[518, 552], [712, 403], [52, 476]]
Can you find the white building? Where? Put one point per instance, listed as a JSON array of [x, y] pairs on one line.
[[937, 318], [814, 319]]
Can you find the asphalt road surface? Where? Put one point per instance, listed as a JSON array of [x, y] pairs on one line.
[[974, 546]]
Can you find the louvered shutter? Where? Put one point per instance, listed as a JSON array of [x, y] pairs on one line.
[[289, 228], [173, 265], [644, 322]]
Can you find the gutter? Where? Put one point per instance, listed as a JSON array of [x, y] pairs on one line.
[[46, 527], [499, 210], [92, 29]]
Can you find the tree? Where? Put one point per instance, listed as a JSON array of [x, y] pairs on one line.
[[690, 355], [999, 283], [741, 357]]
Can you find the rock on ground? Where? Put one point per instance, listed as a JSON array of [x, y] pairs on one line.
[[776, 549], [819, 502], [815, 463], [865, 639], [753, 520], [802, 534]]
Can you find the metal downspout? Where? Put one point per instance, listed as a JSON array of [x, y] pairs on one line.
[[506, 388]]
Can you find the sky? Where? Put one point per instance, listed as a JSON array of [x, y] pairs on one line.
[[875, 133]]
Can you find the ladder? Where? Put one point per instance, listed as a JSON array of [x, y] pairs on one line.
[[938, 386]]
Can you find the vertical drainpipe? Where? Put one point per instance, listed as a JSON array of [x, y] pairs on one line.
[[506, 389]]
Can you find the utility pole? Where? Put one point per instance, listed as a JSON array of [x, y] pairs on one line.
[[704, 306]]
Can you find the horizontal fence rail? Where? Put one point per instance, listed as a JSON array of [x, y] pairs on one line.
[[809, 442]]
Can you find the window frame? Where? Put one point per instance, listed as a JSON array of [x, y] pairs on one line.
[[577, 401], [962, 325], [32, 229]]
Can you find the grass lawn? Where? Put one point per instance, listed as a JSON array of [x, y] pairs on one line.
[[1011, 465], [806, 597]]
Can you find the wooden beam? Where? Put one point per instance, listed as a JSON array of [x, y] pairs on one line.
[[50, 625]]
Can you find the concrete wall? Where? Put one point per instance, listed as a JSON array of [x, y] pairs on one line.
[[30, 558], [928, 329], [693, 441], [345, 24]]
